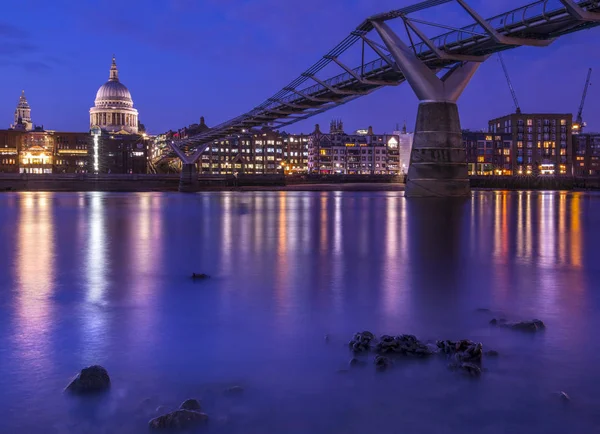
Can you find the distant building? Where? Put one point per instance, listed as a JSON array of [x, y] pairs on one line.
[[404, 147], [72, 152], [340, 153], [251, 152], [295, 153], [486, 152], [10, 143], [113, 107], [587, 154], [118, 153], [22, 115], [541, 142]]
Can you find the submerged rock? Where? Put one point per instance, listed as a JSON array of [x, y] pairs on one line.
[[462, 351], [403, 344], [382, 362], [235, 390], [528, 326], [471, 369], [361, 342], [356, 362], [92, 379], [190, 404], [564, 396], [200, 276], [178, 419]]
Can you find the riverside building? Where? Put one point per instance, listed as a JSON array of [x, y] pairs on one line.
[[540, 142], [362, 153]]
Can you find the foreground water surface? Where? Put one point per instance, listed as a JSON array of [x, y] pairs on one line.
[[90, 278]]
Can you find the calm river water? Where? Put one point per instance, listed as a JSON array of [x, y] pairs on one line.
[[90, 278]]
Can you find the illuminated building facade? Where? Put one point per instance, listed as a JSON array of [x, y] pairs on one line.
[[364, 153], [295, 153], [251, 152], [71, 152], [541, 143], [10, 143], [404, 147], [113, 107], [37, 152], [486, 152], [118, 153], [587, 154]]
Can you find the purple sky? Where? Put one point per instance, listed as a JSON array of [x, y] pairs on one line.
[[219, 58]]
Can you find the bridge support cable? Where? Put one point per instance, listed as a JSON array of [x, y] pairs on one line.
[[440, 54], [498, 37], [309, 97], [579, 13], [363, 80], [335, 90], [438, 160]]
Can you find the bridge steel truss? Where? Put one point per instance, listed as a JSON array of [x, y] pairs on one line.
[[535, 24]]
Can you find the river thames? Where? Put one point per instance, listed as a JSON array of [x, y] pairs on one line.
[[101, 278]]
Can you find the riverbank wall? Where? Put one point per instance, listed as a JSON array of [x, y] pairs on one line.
[[170, 182]]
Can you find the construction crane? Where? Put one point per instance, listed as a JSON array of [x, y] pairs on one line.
[[510, 86], [578, 125]]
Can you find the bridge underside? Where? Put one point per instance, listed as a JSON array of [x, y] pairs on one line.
[[438, 161]]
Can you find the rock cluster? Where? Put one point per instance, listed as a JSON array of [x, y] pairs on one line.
[[188, 415], [92, 379], [178, 419], [402, 344], [464, 354], [527, 326], [463, 350], [361, 342]]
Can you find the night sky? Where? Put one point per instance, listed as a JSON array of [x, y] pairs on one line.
[[219, 58]]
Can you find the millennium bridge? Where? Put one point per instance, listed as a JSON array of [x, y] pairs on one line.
[[437, 68]]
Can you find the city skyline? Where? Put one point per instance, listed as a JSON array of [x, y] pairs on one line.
[[176, 76]]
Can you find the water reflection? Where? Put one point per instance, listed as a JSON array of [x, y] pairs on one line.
[[34, 264]]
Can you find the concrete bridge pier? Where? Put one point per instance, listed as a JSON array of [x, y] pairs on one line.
[[188, 179], [438, 160]]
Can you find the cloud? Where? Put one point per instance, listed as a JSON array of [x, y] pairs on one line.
[[9, 31], [16, 50]]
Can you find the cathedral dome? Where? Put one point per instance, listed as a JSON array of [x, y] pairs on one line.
[[113, 107], [113, 92]]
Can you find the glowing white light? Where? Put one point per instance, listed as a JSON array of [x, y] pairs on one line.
[[96, 165]]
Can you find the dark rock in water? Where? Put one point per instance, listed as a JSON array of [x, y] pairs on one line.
[[190, 404], [483, 309], [235, 390], [564, 396], [326, 338], [533, 325], [361, 342], [402, 344], [90, 380], [471, 369], [491, 353], [527, 326], [462, 351], [178, 419], [382, 362], [200, 276], [356, 362]]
